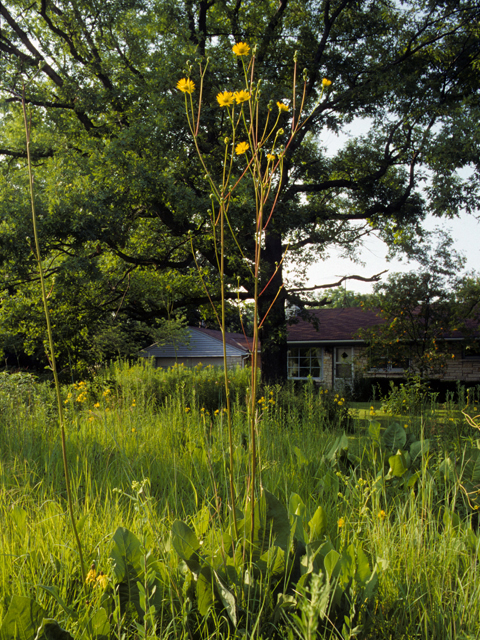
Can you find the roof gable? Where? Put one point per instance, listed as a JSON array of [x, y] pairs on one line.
[[334, 325]]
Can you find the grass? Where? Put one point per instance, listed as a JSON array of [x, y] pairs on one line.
[[146, 451]]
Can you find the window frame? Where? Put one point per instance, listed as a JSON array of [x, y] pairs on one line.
[[299, 367]]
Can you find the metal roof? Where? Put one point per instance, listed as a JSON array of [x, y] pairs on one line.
[[200, 345]]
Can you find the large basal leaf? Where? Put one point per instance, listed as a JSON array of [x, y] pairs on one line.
[[277, 522], [363, 572], [126, 554], [296, 511], [204, 590], [394, 437], [22, 620], [397, 465], [186, 544], [51, 630], [340, 444], [227, 598], [419, 448], [272, 563], [100, 625], [331, 564], [318, 523]]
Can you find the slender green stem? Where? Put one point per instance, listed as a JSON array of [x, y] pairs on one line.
[[51, 346]]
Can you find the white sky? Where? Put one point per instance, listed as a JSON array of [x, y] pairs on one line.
[[465, 231]]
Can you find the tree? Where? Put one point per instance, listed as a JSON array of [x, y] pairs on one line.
[[419, 308], [117, 180]]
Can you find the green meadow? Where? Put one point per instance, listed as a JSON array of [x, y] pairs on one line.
[[365, 522]]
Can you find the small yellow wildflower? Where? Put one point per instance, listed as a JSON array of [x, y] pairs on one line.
[[96, 405], [216, 412], [282, 107], [270, 157], [242, 147], [341, 522], [262, 400], [102, 580], [241, 49], [187, 409], [381, 515], [185, 85], [326, 82], [91, 575], [225, 99], [106, 393], [134, 430], [241, 96], [134, 403]]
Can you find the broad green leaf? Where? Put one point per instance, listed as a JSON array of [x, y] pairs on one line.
[[363, 572], [277, 521], [296, 510], [318, 523], [272, 562], [347, 564], [227, 598], [100, 625], [126, 555], [419, 449], [330, 563], [51, 630], [186, 544], [301, 459], [340, 444], [374, 430], [24, 616], [394, 437], [397, 465], [204, 590]]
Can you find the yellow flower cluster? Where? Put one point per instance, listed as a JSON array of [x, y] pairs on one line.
[[338, 400], [341, 522], [96, 580]]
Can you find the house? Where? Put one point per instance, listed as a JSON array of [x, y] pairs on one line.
[[332, 351], [203, 346]]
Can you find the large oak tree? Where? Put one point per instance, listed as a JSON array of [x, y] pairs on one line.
[[118, 184]]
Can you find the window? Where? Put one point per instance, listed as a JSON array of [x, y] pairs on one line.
[[304, 362], [391, 363], [471, 351]]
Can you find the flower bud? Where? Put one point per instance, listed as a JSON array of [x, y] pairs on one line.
[[281, 132], [226, 140]]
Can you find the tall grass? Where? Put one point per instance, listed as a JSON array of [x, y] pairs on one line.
[[148, 447]]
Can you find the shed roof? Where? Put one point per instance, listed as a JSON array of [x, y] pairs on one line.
[[202, 343]]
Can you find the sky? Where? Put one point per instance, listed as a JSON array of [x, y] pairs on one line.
[[465, 232]]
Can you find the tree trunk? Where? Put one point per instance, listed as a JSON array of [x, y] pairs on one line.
[[273, 333]]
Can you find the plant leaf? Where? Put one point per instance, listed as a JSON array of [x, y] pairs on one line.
[[23, 618], [186, 544]]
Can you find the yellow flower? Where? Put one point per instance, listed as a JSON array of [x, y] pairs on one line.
[[382, 515], [91, 575], [270, 157], [326, 83], [134, 403], [241, 49], [241, 96], [134, 430], [96, 405], [187, 409], [102, 580], [282, 107], [242, 147], [185, 85], [225, 99], [341, 522]]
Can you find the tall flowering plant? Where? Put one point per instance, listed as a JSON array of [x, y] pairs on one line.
[[254, 152]]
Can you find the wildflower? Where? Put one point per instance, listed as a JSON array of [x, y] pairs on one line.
[[405, 426], [102, 580], [216, 412], [225, 99], [381, 515], [262, 400], [241, 49], [341, 522], [185, 85], [282, 107], [134, 403], [96, 405], [326, 82], [242, 147], [106, 393], [241, 96], [187, 409], [68, 398], [270, 157], [134, 430], [91, 575]]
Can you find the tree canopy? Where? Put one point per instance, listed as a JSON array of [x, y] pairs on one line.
[[122, 200]]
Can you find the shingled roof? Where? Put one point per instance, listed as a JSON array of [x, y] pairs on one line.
[[334, 325]]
